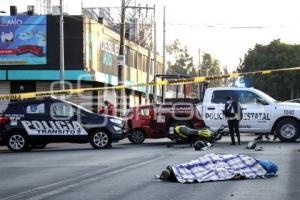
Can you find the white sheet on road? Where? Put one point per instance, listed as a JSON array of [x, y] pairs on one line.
[[214, 167]]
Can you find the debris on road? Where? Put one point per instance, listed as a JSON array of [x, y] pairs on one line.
[[259, 148], [253, 145]]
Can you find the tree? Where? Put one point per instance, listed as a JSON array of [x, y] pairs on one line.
[[283, 85], [225, 81], [181, 62], [211, 67]]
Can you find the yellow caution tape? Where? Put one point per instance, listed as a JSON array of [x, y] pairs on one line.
[[267, 72], [162, 82], [235, 75], [199, 79]]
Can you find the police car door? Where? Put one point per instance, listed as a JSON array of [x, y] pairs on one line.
[[256, 116], [213, 110], [35, 116]]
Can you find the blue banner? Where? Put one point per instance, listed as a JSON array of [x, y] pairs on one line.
[[23, 40]]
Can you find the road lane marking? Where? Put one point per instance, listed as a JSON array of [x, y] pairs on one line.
[[52, 189]]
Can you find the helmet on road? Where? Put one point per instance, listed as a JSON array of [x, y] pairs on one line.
[[251, 145], [199, 145]]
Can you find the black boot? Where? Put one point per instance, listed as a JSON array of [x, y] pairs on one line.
[[259, 137], [275, 136], [267, 137], [232, 139]]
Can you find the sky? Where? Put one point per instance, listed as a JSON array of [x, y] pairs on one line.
[[224, 28]]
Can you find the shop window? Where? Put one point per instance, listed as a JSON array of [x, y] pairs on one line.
[[135, 59], [127, 56]]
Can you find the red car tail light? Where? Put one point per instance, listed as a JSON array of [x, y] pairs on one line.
[[4, 120]]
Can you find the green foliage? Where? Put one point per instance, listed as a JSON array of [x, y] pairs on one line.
[[183, 64], [210, 67], [282, 85]]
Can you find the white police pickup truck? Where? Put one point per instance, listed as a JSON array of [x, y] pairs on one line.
[[261, 113]]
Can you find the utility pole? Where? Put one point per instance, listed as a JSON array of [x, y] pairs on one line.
[[121, 92], [155, 60], [148, 71], [164, 54], [62, 53], [199, 73]]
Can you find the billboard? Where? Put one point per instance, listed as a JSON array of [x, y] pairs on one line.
[[23, 40]]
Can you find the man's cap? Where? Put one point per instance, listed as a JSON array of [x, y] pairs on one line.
[[228, 98]]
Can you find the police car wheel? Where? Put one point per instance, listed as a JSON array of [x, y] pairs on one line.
[[100, 139], [287, 130], [136, 136], [17, 142]]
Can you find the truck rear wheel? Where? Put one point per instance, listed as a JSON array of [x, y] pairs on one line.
[[136, 136], [287, 130]]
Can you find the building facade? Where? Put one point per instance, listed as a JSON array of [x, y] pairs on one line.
[[30, 59]]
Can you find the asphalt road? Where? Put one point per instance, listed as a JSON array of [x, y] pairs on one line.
[[126, 172]]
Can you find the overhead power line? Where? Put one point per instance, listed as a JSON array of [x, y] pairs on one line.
[[229, 26]]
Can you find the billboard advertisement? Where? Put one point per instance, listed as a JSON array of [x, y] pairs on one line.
[[23, 40]]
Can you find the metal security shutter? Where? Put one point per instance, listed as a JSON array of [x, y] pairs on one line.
[[45, 86], [85, 100], [4, 89]]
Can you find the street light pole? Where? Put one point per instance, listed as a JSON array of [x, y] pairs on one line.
[[62, 55]]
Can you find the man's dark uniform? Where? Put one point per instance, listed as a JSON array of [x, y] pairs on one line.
[[233, 114]]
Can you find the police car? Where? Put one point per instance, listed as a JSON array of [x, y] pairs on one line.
[[261, 113], [27, 124]]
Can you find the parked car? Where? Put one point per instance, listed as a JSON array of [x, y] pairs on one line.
[[26, 124], [159, 120]]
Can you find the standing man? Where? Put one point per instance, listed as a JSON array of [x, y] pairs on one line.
[[233, 114], [107, 109]]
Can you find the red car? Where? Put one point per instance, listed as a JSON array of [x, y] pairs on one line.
[[159, 121]]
